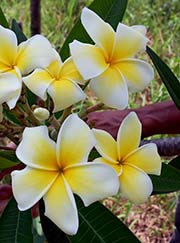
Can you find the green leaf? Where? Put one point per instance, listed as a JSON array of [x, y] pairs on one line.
[[98, 224], [19, 34], [8, 159], [112, 11], [3, 20], [169, 79], [15, 226], [168, 181]]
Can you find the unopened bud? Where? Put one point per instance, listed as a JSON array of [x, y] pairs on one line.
[[41, 114]]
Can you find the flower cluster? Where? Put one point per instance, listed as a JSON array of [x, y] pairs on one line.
[[62, 168]]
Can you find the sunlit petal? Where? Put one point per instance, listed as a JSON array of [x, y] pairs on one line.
[[69, 71], [117, 167], [92, 181], [75, 141], [128, 42], [99, 31], [111, 88], [36, 149], [129, 135], [10, 87], [106, 145], [60, 206], [8, 49], [140, 28], [146, 158], [135, 184], [65, 93], [89, 59], [36, 52], [38, 82], [138, 73], [29, 185]]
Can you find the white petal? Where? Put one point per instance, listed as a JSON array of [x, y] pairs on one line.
[[29, 185], [60, 206], [140, 28], [110, 87], [89, 59], [92, 181], [100, 32], [37, 150], [75, 141], [36, 52]]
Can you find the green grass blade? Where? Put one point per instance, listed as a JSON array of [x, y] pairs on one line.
[[15, 226], [168, 181], [169, 79], [112, 11], [3, 20], [98, 224], [7, 159]]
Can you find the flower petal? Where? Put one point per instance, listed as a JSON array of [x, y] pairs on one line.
[[117, 167], [29, 185], [75, 141], [89, 59], [60, 206], [38, 82], [92, 181], [137, 73], [128, 42], [146, 158], [110, 87], [10, 88], [135, 184], [8, 49], [99, 31], [37, 150], [69, 71], [36, 52], [127, 140], [106, 145], [65, 93], [140, 28]]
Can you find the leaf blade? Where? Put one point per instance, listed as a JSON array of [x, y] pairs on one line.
[[3, 20]]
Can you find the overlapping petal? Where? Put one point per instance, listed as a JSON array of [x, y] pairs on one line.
[[8, 49], [135, 184], [106, 145], [30, 185], [89, 59], [92, 181], [128, 42], [10, 88], [65, 93], [100, 32], [60, 206], [38, 82], [37, 150], [111, 88], [129, 135], [146, 158], [36, 52], [137, 73], [74, 142]]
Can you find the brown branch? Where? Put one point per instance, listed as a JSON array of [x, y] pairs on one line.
[[35, 7]]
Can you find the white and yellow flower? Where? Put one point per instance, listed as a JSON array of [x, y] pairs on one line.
[[60, 81], [110, 63], [57, 170], [19, 60], [132, 163]]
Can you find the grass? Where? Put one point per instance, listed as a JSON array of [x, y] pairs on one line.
[[162, 19]]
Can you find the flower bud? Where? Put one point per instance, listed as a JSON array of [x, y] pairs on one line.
[[41, 114]]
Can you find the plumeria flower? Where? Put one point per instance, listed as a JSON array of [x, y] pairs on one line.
[[110, 63], [19, 60], [132, 163], [59, 80], [57, 170]]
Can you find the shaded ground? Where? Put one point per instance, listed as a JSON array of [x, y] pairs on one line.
[[151, 222]]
